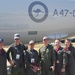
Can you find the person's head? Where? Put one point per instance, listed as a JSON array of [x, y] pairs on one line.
[[1, 43], [17, 38], [57, 42], [67, 43], [45, 40], [31, 44]]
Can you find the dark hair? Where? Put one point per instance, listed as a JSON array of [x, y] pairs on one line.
[[69, 41]]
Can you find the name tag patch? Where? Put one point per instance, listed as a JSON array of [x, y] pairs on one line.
[[32, 60], [17, 56]]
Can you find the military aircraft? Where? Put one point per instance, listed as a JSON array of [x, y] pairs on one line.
[[33, 19]]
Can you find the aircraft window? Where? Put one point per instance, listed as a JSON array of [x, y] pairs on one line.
[[57, 36], [32, 33]]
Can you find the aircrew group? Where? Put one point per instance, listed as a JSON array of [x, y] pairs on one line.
[[48, 60]]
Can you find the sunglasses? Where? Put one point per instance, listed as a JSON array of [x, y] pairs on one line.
[[17, 39]]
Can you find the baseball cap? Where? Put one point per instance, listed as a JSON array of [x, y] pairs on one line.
[[45, 38], [31, 42], [17, 36], [1, 40]]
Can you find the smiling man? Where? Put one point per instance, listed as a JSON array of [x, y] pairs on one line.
[[47, 57], [17, 56]]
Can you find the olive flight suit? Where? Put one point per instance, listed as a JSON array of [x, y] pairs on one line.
[[47, 59]]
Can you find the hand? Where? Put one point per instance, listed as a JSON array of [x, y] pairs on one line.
[[52, 67], [63, 70], [35, 68], [11, 62], [39, 67]]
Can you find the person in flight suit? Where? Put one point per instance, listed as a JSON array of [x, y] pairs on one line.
[[70, 54], [32, 59], [16, 59], [47, 58], [3, 57], [59, 65]]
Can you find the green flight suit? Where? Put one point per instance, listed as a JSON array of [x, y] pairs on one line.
[[47, 58]]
